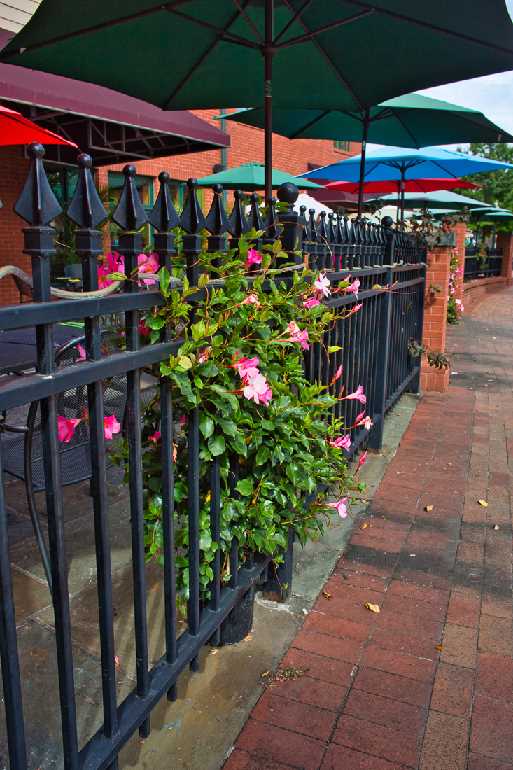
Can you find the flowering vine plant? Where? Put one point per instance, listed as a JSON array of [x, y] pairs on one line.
[[241, 365], [454, 305]]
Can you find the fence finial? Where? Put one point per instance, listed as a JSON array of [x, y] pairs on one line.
[[312, 227], [323, 233], [255, 216], [331, 227], [37, 203], [129, 214], [217, 219], [192, 219], [86, 208], [163, 215], [237, 223]]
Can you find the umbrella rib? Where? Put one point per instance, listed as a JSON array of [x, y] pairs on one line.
[[292, 20], [403, 124], [249, 20], [312, 34], [428, 25], [309, 124], [203, 56], [221, 32], [321, 50]]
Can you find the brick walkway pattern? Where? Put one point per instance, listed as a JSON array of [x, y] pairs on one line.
[[428, 682]]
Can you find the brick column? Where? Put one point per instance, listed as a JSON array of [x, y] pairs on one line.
[[460, 230], [435, 316], [505, 242]]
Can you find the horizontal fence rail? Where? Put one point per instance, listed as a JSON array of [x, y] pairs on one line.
[[375, 351]]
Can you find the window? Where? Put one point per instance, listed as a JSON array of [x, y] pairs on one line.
[[342, 144]]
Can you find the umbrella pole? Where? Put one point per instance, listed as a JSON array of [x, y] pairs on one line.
[[268, 99], [402, 197], [365, 132]]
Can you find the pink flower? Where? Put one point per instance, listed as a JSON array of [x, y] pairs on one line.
[[148, 263], [204, 355], [247, 367], [251, 299], [296, 335], [81, 352], [311, 302], [355, 308], [155, 437], [110, 426], [337, 375], [254, 258], [257, 389], [112, 263], [459, 304], [358, 395], [353, 288], [361, 460], [340, 507], [359, 418], [342, 442], [144, 330], [322, 285], [66, 428], [452, 290], [182, 420]]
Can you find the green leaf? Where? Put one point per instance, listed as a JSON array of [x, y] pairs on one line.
[[245, 487], [184, 362], [164, 281], [206, 425], [334, 348], [262, 455], [217, 445]]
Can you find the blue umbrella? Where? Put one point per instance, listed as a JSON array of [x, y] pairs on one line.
[[400, 163]]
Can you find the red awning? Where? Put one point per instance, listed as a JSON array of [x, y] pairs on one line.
[[109, 125]]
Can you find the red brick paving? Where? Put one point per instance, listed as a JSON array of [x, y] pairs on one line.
[[426, 684]]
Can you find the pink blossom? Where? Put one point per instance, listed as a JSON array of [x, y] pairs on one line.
[[144, 330], [362, 460], [322, 285], [452, 290], [204, 355], [155, 437], [358, 395], [182, 420], [112, 263], [353, 288], [296, 335], [110, 426], [81, 352], [356, 308], [254, 258], [311, 302], [460, 305], [257, 389], [340, 507], [147, 263], [247, 367], [342, 442], [251, 299], [66, 428], [338, 374], [359, 418]]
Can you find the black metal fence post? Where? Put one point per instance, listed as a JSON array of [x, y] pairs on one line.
[[291, 222], [193, 222], [380, 391]]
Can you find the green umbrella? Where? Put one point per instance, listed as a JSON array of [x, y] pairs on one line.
[[186, 54], [251, 176], [411, 120], [492, 213]]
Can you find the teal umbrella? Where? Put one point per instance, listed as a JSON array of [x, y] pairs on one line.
[[441, 199], [188, 54], [251, 176], [412, 120]]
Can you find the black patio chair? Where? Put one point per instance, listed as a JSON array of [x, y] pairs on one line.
[[22, 448]]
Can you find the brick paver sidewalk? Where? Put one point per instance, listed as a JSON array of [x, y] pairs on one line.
[[428, 682]]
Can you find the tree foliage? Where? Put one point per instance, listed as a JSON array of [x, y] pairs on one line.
[[496, 187]]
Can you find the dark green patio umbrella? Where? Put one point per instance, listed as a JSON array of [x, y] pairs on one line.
[[412, 120], [186, 54], [251, 176]]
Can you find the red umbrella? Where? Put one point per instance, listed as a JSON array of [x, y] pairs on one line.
[[15, 129], [410, 185]]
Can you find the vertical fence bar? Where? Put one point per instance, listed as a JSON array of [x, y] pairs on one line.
[[38, 206], [87, 211], [421, 288], [164, 218], [215, 531], [130, 216], [376, 436], [193, 608], [193, 222]]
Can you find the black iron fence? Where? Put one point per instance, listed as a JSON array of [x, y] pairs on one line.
[[482, 265], [390, 268]]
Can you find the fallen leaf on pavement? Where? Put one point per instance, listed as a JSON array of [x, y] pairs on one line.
[[439, 647], [364, 525], [372, 607], [483, 503], [496, 527], [326, 594], [429, 508]]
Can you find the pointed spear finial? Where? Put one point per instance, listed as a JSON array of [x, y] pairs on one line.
[[37, 204], [238, 224], [217, 219], [192, 219], [129, 214], [86, 208], [163, 215]]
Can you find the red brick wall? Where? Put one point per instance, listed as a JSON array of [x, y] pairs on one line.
[[247, 144], [435, 317]]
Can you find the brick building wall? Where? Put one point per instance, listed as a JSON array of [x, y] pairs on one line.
[[247, 144]]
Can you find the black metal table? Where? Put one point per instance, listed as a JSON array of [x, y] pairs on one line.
[[18, 347]]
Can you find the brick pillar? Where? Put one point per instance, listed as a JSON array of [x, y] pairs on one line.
[[460, 230], [435, 316], [505, 242]]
